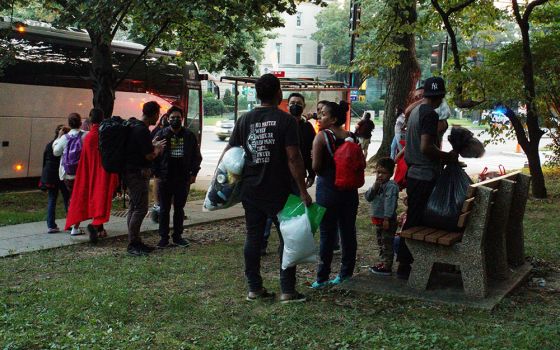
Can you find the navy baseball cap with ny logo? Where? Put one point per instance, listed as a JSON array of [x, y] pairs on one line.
[[434, 86]]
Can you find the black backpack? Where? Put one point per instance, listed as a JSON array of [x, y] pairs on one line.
[[113, 134]]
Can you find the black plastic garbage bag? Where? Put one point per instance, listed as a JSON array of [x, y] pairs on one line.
[[463, 142], [446, 201]]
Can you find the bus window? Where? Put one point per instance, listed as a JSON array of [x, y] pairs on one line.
[[193, 112]]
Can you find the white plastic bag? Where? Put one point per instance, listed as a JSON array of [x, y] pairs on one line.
[[299, 245], [233, 160], [225, 187]]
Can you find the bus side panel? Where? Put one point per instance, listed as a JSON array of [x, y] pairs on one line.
[[15, 140], [42, 132]]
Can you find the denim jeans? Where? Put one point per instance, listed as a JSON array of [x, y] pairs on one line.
[[255, 221], [173, 191], [396, 147], [137, 183], [51, 204], [342, 208]]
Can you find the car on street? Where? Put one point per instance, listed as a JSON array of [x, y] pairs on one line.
[[224, 128]]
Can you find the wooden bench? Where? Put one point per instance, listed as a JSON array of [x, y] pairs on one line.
[[485, 245]]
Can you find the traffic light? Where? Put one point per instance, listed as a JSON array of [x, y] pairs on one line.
[[436, 58], [355, 14]]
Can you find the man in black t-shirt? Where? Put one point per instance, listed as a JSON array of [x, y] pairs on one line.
[[141, 150], [424, 159], [270, 139]]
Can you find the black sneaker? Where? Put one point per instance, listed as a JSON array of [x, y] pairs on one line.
[[263, 295], [163, 243], [92, 233], [145, 248], [181, 242], [403, 271], [380, 269], [134, 250], [292, 298]]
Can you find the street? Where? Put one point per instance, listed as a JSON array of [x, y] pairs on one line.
[[496, 155]]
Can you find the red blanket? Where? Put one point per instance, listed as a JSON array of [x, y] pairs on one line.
[[93, 187]]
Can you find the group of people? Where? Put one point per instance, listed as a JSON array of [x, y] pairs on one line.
[[72, 165], [277, 158], [283, 155]]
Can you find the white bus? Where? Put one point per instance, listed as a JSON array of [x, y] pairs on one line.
[[51, 78]]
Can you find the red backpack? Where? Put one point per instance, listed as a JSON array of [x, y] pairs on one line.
[[349, 162]]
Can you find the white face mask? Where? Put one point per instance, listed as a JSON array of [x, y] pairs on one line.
[[443, 110]]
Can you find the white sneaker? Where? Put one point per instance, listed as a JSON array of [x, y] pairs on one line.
[[76, 231]]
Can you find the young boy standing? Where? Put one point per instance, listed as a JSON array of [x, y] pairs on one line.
[[383, 196]]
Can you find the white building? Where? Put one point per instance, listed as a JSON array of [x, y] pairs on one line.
[[292, 50]]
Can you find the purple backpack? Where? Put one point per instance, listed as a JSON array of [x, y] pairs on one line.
[[72, 152]]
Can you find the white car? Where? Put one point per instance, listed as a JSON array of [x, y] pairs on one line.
[[224, 128]]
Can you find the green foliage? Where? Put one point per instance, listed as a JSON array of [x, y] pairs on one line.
[[332, 33], [213, 106], [228, 98]]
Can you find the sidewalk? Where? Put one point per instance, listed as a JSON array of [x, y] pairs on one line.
[[23, 238]]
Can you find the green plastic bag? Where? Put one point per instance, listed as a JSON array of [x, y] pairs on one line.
[[295, 207]]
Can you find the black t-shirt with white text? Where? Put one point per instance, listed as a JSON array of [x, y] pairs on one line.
[[264, 133]]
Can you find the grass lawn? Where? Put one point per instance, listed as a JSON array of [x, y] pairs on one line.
[[97, 297], [467, 123], [19, 208]]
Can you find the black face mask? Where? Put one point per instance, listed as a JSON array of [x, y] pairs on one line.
[[175, 123], [296, 110]]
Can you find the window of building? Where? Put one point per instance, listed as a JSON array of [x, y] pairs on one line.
[[298, 19], [319, 52], [278, 52], [298, 54]]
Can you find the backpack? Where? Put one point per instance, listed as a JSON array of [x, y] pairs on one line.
[[113, 134], [72, 153], [349, 162]]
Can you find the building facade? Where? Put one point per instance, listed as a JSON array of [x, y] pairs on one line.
[[292, 50]]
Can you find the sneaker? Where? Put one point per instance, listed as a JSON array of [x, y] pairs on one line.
[[76, 231], [134, 250], [163, 243], [403, 271], [92, 233], [263, 295], [145, 248], [319, 285], [380, 269], [292, 298], [337, 280], [181, 242], [53, 230]]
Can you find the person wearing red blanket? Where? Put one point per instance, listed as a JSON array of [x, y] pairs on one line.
[[93, 186]]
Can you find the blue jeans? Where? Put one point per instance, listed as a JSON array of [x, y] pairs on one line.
[[396, 147], [342, 208], [51, 204]]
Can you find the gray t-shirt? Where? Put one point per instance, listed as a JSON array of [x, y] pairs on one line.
[[423, 120]]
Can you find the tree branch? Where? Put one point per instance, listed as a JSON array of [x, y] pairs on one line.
[[123, 12], [144, 52], [530, 7], [460, 7]]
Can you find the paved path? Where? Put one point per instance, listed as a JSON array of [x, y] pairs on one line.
[[23, 238]]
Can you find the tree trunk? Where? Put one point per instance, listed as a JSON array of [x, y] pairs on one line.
[[102, 75], [401, 82], [533, 128]]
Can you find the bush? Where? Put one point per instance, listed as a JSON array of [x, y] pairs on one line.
[[228, 98], [213, 106]]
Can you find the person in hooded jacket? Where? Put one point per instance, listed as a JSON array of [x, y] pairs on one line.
[[176, 168]]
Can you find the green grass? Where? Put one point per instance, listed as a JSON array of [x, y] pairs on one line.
[[467, 123], [20, 208], [96, 297]]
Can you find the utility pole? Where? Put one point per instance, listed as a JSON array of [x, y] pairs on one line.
[[355, 13]]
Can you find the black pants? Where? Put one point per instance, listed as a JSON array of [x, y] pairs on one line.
[[173, 191], [418, 192], [255, 221]]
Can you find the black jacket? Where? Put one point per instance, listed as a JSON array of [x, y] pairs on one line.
[[191, 154], [51, 163]]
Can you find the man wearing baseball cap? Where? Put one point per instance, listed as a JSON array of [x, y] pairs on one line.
[[424, 159]]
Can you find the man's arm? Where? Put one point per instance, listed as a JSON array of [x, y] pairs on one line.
[[428, 148], [295, 163]]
